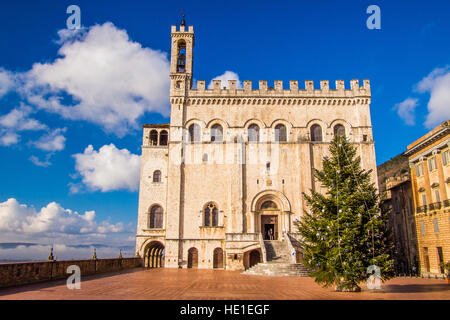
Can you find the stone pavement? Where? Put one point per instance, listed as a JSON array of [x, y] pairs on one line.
[[193, 284]]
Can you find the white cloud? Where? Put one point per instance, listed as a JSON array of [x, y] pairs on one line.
[[107, 169], [17, 120], [26, 252], [51, 219], [9, 138], [112, 80], [52, 141], [228, 75], [405, 110], [40, 163], [437, 83], [66, 35], [6, 81], [428, 82]]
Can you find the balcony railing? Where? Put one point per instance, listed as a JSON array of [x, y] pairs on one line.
[[435, 206], [447, 203], [422, 209]]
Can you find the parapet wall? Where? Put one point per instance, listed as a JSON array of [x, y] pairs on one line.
[[13, 274], [294, 91]]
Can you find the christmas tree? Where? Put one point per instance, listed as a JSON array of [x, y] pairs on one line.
[[344, 232]]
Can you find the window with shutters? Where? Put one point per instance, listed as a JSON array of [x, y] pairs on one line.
[[445, 157], [422, 228], [432, 164]]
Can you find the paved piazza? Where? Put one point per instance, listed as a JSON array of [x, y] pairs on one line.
[[192, 284]]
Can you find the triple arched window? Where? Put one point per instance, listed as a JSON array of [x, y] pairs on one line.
[[253, 133], [216, 133], [156, 217], [194, 133], [280, 133], [316, 133], [211, 215], [339, 130]]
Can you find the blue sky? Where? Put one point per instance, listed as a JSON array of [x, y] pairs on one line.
[[407, 61]]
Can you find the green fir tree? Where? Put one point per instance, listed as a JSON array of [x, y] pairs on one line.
[[344, 231]]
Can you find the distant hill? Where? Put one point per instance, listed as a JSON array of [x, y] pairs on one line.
[[13, 245], [397, 166]]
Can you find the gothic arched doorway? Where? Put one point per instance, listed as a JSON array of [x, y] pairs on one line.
[[154, 255], [255, 258], [218, 258], [192, 258]]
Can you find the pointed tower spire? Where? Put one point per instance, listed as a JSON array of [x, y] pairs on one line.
[[183, 21], [94, 256], [120, 254]]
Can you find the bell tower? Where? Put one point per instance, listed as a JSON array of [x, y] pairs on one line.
[[181, 59]]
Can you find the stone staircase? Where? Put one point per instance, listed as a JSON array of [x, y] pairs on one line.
[[278, 262], [277, 251]]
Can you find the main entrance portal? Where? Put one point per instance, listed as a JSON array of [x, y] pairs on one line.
[[269, 227]]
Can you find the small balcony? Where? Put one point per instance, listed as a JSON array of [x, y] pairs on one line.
[[447, 203], [435, 206], [422, 209]]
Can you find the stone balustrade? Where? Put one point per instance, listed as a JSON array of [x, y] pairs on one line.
[[13, 274]]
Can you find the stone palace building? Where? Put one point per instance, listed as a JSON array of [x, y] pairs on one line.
[[227, 174]]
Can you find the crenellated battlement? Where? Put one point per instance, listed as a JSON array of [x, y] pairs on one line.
[[355, 90], [182, 29]]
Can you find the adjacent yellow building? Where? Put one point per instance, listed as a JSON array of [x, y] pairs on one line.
[[429, 159]]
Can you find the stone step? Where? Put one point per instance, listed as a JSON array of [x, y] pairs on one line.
[[277, 250]]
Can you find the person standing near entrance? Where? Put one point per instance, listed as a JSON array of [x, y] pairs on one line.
[[270, 234]]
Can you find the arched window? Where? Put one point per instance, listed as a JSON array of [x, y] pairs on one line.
[[211, 214], [280, 133], [316, 133], [163, 138], [216, 133], [194, 133], [157, 176], [153, 138], [156, 217], [339, 130], [253, 133], [269, 205], [181, 59]]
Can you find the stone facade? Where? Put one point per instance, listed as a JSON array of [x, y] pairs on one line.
[[236, 162], [397, 201], [429, 159]]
